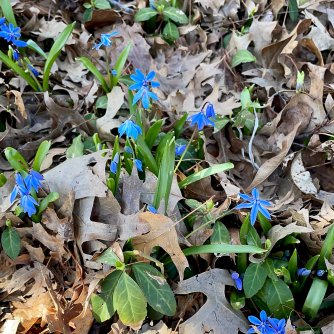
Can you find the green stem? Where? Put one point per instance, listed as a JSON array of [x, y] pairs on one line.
[[32, 74], [185, 151], [194, 231], [139, 253], [108, 70]]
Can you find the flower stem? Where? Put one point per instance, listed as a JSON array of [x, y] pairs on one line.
[[185, 151], [108, 70], [32, 74]]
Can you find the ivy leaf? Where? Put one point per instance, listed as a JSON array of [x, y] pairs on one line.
[[11, 242], [220, 122], [220, 234], [242, 56], [255, 276], [102, 4], [278, 295], [76, 149], [129, 301], [87, 16], [155, 288], [171, 30], [176, 15], [102, 305], [268, 266], [145, 14], [108, 257]]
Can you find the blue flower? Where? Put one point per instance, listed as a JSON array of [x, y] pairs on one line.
[[114, 163], [128, 150], [261, 324], [255, 203], [142, 84], [105, 40], [35, 72], [9, 33], [2, 21], [33, 180], [139, 165], [200, 119], [278, 326], [114, 72], [238, 281], [28, 203], [130, 129], [321, 272], [151, 4], [179, 149], [210, 112], [19, 187], [303, 272], [151, 209], [16, 55]]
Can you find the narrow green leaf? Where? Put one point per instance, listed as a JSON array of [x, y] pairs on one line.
[[176, 15], [152, 133], [129, 301], [7, 11], [309, 265], [53, 196], [253, 238], [41, 154], [292, 266], [220, 234], [90, 66], [19, 71], [293, 10], [204, 173], [244, 230], [155, 288], [126, 80], [54, 52], [11, 242], [145, 14], [171, 30], [33, 46], [3, 180], [14, 158], [242, 56], [278, 295], [76, 149], [108, 257], [102, 305], [326, 249], [179, 126], [120, 63], [254, 279], [146, 152], [161, 147]]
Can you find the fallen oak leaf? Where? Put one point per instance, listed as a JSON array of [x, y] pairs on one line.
[[162, 234], [217, 314]]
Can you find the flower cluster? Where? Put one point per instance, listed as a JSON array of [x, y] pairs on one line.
[[267, 325], [24, 187], [11, 35], [256, 204], [142, 84], [200, 119], [105, 40]]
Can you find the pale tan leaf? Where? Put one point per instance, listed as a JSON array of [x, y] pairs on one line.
[[18, 102]]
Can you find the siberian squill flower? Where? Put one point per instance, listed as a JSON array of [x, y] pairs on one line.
[[179, 149], [237, 280], [278, 326], [18, 188], [2, 21], [200, 119], [151, 209], [128, 150], [321, 272], [210, 112], [142, 84], [33, 180], [303, 272], [9, 33], [34, 71], [105, 40], [261, 324], [255, 203], [139, 165], [114, 163], [130, 129], [28, 203]]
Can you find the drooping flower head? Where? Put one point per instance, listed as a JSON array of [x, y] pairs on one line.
[[200, 119], [321, 272], [303, 272], [210, 112], [139, 164], [114, 163], [130, 129], [28, 203], [19, 188], [261, 324], [179, 149], [33, 180], [105, 40], [2, 21], [34, 71], [256, 204], [237, 280], [128, 150], [142, 84], [151, 209]]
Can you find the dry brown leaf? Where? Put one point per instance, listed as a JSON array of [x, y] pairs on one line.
[[162, 234], [217, 314], [270, 165], [159, 328], [18, 102]]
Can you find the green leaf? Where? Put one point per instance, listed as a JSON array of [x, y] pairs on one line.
[[278, 295], [179, 126], [204, 173], [7, 11], [155, 288], [245, 98], [87, 5], [87, 16], [14, 158], [253, 238], [220, 234], [126, 80], [90, 66], [255, 277], [192, 203], [76, 149], [152, 133], [108, 257], [269, 268], [41, 154], [146, 152], [19, 71], [326, 249], [293, 10], [54, 52], [120, 63], [102, 4], [242, 56], [244, 230], [309, 266], [11, 242], [220, 122], [161, 147], [53, 196], [33, 46], [145, 14], [3, 180], [238, 301], [102, 305], [292, 266], [171, 30], [102, 102], [129, 301], [176, 15]]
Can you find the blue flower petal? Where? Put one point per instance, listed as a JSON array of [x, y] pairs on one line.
[[139, 165], [253, 214], [264, 211], [254, 320], [140, 74], [255, 193], [138, 95], [113, 167], [151, 209], [127, 149], [266, 203], [155, 84], [245, 197], [238, 283], [263, 316], [145, 100], [137, 85], [251, 330], [20, 44], [244, 206], [150, 76]]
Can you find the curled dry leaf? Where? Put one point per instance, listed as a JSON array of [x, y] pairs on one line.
[[18, 102]]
